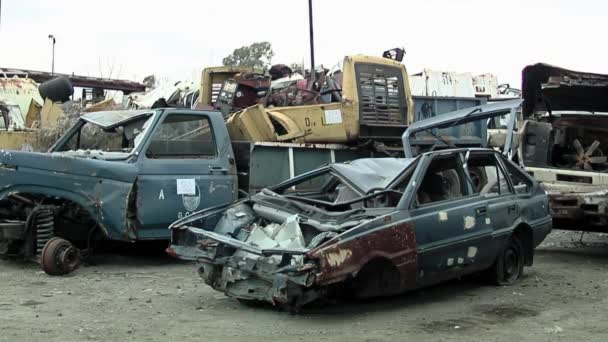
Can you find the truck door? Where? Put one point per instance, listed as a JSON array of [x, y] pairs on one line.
[[186, 165], [536, 143]]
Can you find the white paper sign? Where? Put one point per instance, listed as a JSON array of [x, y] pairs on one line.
[[333, 116], [186, 186]]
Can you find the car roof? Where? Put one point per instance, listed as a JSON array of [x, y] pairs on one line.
[[369, 173]]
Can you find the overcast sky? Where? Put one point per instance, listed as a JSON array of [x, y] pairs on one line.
[[176, 39]]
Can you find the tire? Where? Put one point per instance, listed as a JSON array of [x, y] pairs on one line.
[[58, 89], [59, 257], [376, 279], [509, 265], [479, 177], [452, 184]]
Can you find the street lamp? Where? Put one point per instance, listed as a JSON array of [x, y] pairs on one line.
[[312, 43], [53, 58]]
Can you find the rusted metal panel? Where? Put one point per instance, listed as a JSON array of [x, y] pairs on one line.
[[20, 90], [77, 80], [345, 258]]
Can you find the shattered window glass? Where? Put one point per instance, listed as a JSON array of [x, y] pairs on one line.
[[93, 137], [183, 136], [119, 139]]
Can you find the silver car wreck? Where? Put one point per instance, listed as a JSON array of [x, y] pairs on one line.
[[371, 227]]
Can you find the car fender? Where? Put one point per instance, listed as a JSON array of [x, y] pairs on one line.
[[101, 204]]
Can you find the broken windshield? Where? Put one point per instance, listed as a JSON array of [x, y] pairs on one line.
[[338, 187], [122, 139]]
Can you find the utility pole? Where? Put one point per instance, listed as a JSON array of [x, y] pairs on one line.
[[312, 43], [52, 37]]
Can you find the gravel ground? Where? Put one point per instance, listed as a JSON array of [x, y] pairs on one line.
[[563, 297]]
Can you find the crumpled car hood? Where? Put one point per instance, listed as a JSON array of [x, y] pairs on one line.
[[550, 88]]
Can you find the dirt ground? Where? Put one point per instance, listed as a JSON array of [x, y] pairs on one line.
[[563, 297]]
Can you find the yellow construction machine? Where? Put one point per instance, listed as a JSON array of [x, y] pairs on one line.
[[364, 98]]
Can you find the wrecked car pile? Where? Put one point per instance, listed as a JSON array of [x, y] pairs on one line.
[[367, 227]]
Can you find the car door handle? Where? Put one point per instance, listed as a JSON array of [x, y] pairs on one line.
[[512, 208], [481, 211], [218, 169]]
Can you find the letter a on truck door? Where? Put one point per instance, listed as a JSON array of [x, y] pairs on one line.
[[185, 167]]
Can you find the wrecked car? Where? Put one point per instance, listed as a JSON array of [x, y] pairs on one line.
[[563, 143], [370, 227]]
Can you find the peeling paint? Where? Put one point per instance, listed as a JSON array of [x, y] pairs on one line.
[[443, 215], [488, 220], [450, 261], [213, 187], [469, 222], [472, 252], [337, 258], [460, 261]]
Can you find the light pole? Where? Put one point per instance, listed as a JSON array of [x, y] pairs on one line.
[[53, 58], [312, 43]]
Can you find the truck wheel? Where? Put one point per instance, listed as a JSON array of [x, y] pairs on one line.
[[509, 265], [59, 257]]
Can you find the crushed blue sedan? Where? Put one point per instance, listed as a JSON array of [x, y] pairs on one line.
[[371, 227]]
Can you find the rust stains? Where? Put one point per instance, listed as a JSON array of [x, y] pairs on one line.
[[345, 258], [338, 257]]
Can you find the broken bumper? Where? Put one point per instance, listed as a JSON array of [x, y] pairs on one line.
[[247, 272], [580, 211]]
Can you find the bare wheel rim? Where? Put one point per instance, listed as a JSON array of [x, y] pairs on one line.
[[66, 257]]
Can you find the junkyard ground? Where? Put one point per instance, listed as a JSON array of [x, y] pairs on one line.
[[152, 297]]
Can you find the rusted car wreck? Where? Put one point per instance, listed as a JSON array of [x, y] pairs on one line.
[[563, 143], [371, 227], [116, 175]]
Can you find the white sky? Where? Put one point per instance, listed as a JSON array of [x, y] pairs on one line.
[[177, 39]]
